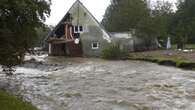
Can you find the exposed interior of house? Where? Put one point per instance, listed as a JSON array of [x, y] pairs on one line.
[[66, 39]]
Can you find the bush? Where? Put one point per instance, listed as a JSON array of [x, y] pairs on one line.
[[113, 52]]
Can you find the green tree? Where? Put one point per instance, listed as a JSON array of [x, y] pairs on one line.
[[18, 22], [158, 23], [41, 34], [162, 13], [183, 23], [148, 22], [123, 15]]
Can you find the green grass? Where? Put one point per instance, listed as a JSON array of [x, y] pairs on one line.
[[168, 57], [10, 102], [177, 62], [191, 46]]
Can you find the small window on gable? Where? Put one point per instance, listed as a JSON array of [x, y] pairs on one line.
[[95, 45], [78, 29]]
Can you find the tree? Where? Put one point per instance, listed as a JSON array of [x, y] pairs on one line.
[[41, 34], [161, 14], [19, 20], [123, 15], [183, 23], [148, 21]]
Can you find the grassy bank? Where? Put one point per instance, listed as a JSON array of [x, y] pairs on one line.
[[9, 102], [167, 57]]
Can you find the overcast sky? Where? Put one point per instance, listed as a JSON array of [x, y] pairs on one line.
[[96, 7]]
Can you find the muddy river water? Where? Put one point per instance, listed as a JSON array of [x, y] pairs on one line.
[[95, 84]]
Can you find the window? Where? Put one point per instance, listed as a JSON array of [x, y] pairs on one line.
[[78, 29], [81, 28], [95, 45]]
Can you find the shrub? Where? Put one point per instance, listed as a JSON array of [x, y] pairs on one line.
[[113, 52]]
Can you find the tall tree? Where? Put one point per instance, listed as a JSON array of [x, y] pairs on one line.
[[41, 35], [184, 23], [148, 21], [18, 22], [161, 14], [123, 15]]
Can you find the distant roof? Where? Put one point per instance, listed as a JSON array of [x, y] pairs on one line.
[[125, 35]]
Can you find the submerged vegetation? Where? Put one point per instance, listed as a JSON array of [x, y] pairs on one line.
[[9, 102]]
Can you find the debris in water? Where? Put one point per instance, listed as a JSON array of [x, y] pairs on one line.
[[72, 94]]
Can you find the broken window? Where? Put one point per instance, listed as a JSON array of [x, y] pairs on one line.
[[69, 17]]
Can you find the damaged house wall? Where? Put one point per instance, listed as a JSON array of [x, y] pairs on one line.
[[93, 31], [93, 38]]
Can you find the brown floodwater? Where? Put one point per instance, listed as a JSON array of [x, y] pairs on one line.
[[95, 84]]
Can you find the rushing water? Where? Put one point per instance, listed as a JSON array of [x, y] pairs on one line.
[[95, 84]]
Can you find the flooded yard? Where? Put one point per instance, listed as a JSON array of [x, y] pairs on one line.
[[95, 84]]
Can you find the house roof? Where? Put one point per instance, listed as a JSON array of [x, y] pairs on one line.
[[126, 35], [58, 25]]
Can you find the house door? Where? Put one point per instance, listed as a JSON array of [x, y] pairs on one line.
[[74, 50]]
